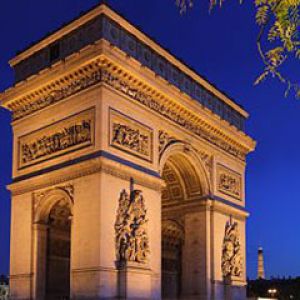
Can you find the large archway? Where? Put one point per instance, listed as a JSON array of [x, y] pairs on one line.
[[185, 184], [53, 245]]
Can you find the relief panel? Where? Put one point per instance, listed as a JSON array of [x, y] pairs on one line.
[[68, 135], [229, 182], [130, 136]]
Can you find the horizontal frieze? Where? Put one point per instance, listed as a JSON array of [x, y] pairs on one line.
[[103, 27], [130, 135], [101, 74], [73, 133], [229, 182]]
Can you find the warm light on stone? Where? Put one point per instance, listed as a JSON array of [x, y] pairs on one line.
[[123, 186]]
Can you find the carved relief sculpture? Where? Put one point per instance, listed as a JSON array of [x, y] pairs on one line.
[[74, 132], [132, 243], [103, 75], [130, 135], [232, 262], [229, 182], [165, 139]]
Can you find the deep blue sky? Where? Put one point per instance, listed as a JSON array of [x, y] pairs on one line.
[[221, 46]]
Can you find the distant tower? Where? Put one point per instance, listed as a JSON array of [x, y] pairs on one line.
[[260, 264]]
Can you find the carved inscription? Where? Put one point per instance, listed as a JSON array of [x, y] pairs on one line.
[[56, 139], [132, 242], [130, 136], [232, 262], [229, 182]]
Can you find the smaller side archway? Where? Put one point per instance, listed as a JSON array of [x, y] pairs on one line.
[[52, 244]]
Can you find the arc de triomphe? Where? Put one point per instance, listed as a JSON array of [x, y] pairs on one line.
[[128, 170]]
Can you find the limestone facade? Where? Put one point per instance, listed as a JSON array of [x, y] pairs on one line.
[[128, 179]]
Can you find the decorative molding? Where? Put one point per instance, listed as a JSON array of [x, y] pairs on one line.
[[229, 182], [73, 133], [57, 95], [130, 136], [232, 262], [99, 72], [182, 118], [132, 241], [165, 140], [86, 168], [103, 27]]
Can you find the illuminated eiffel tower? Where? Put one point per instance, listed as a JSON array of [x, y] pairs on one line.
[[260, 264]]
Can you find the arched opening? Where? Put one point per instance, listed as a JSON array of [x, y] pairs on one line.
[[185, 184], [172, 243], [58, 252], [53, 216]]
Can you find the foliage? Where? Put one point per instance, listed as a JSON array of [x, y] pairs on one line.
[[279, 22]]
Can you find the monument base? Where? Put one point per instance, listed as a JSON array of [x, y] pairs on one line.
[[134, 280], [235, 288]]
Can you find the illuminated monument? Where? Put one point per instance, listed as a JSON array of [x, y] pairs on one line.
[[260, 264], [128, 171]]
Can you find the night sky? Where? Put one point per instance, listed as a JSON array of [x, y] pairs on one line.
[[221, 47]]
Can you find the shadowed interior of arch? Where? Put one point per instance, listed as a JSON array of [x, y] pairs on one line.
[[182, 185], [58, 252]]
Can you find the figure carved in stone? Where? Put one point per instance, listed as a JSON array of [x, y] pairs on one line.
[[132, 243], [229, 182], [164, 141], [232, 262], [67, 137], [103, 75], [131, 138]]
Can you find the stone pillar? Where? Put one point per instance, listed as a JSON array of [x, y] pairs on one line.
[[196, 256], [228, 239], [134, 281], [40, 257], [85, 238]]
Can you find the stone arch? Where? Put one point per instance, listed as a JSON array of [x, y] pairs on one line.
[[53, 210], [47, 200], [187, 163]]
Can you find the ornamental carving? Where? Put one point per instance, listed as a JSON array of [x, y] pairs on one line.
[[232, 262], [182, 118], [131, 136], [165, 140], [169, 112], [57, 95], [56, 139], [132, 242], [229, 182]]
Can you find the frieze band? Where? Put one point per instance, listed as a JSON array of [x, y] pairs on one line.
[[64, 136], [103, 75], [131, 136], [229, 182]]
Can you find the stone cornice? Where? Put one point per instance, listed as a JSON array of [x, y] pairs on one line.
[[86, 168], [179, 108], [105, 10], [206, 204]]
